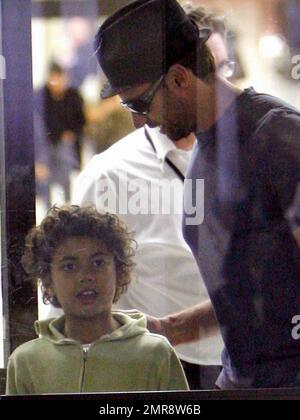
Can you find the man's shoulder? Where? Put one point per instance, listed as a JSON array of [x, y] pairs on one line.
[[266, 116], [281, 123], [128, 151], [133, 143], [266, 107]]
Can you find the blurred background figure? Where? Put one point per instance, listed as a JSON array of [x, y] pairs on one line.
[[81, 64], [59, 121], [222, 41], [106, 121]]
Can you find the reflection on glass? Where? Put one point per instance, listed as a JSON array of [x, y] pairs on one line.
[[2, 205], [155, 294]]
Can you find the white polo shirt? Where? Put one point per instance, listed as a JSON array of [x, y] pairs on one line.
[[136, 182]]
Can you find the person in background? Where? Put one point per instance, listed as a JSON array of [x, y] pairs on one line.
[[219, 41], [84, 261], [244, 231], [164, 263], [80, 63], [59, 121]]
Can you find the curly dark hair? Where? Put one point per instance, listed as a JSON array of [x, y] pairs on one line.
[[69, 221]]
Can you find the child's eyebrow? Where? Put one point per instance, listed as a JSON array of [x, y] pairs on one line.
[[68, 257], [99, 254], [74, 258]]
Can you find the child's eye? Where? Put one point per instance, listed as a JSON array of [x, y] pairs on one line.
[[99, 263], [69, 267]]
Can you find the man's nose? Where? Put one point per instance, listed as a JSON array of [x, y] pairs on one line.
[[138, 120]]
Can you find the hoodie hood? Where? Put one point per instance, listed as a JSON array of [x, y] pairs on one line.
[[132, 323]]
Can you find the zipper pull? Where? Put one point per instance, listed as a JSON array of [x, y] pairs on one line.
[[86, 349]]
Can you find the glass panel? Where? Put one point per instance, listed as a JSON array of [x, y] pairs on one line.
[[264, 50], [18, 300], [3, 260]]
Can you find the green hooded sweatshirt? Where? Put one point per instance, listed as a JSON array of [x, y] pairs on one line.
[[129, 359]]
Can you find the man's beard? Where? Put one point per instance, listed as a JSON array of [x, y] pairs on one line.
[[183, 127], [178, 133]]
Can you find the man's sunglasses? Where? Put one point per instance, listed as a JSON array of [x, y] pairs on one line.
[[141, 105]]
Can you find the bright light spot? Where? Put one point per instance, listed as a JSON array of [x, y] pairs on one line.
[[272, 46]]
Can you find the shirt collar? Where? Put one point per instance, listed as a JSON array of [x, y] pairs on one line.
[[163, 145]]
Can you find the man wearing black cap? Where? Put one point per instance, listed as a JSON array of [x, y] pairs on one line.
[[248, 155], [148, 156]]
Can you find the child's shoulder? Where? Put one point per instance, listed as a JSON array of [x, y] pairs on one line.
[[134, 327], [157, 339], [156, 343], [28, 349]]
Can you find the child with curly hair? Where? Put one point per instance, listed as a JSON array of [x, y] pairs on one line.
[[83, 260]]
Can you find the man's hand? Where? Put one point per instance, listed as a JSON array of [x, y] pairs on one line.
[[190, 325], [163, 327], [154, 325]]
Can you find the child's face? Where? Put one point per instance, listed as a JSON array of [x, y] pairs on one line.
[[83, 277]]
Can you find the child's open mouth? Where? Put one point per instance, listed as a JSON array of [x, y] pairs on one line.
[[87, 296]]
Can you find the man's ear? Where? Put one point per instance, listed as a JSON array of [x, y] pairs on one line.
[[178, 77]]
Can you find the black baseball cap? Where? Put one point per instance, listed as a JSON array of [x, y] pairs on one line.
[[142, 40]]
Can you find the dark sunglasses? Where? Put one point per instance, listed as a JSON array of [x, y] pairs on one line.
[[141, 105]]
